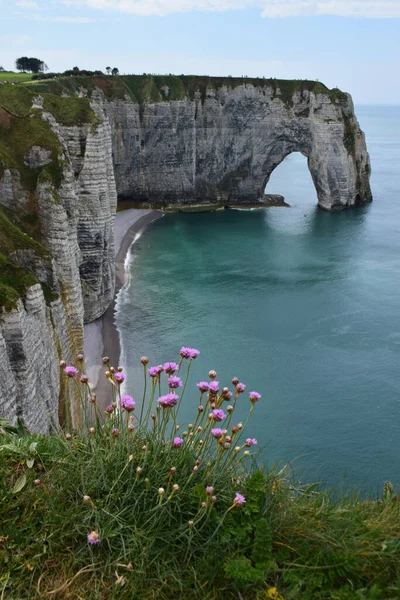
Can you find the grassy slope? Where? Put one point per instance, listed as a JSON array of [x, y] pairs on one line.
[[10, 76], [302, 543]]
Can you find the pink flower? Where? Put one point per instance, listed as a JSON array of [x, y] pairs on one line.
[[71, 371], [170, 368], [189, 353], [169, 400], [178, 442], [119, 377], [185, 352], [109, 409], [174, 382], [128, 403], [154, 371], [239, 499], [240, 387], [254, 396], [203, 386], [93, 538], [115, 432], [250, 442], [209, 490], [217, 432], [218, 414], [214, 387]]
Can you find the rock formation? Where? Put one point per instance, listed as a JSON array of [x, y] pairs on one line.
[[73, 206], [221, 146], [68, 149]]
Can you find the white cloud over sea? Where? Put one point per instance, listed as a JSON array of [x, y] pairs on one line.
[[378, 9]]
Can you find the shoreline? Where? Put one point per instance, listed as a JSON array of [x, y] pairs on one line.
[[101, 337]]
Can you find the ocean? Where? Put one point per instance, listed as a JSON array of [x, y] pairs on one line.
[[302, 305]]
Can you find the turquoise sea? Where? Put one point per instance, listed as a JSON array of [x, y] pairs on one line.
[[302, 305]]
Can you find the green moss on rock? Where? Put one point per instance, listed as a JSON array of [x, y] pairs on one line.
[[69, 111], [14, 279], [14, 282]]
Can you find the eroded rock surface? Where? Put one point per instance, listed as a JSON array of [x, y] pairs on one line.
[[77, 227], [223, 148]]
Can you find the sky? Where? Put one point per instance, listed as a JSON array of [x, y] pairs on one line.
[[350, 44]]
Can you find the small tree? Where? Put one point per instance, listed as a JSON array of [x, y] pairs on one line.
[[22, 63], [33, 65], [115, 71], [2, 69], [108, 69]]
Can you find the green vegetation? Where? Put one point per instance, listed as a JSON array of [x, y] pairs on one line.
[[112, 87], [70, 111], [32, 65], [152, 88], [119, 512], [22, 127], [14, 282], [10, 76], [160, 88], [14, 237]]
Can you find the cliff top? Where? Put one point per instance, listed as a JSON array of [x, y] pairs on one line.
[[159, 88]]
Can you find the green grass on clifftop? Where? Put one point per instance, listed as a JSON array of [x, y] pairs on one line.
[[10, 76], [282, 544], [160, 88]]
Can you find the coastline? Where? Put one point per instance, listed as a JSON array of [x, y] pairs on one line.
[[101, 336]]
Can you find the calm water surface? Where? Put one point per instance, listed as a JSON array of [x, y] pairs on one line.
[[300, 304]]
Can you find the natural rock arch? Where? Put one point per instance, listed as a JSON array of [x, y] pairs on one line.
[[220, 147]]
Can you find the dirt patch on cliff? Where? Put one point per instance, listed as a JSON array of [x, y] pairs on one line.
[[5, 118]]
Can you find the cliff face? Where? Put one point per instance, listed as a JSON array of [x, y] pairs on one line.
[[67, 148], [220, 147], [69, 273]]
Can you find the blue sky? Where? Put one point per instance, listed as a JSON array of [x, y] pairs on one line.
[[352, 44]]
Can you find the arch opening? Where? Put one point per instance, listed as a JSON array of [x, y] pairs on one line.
[[292, 179]]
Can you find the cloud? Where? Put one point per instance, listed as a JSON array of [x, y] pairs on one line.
[[28, 4], [379, 9], [269, 8], [57, 19]]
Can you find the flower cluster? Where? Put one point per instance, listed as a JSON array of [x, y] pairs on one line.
[[189, 353], [168, 401], [170, 368], [212, 437], [174, 382], [128, 403], [155, 371]]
